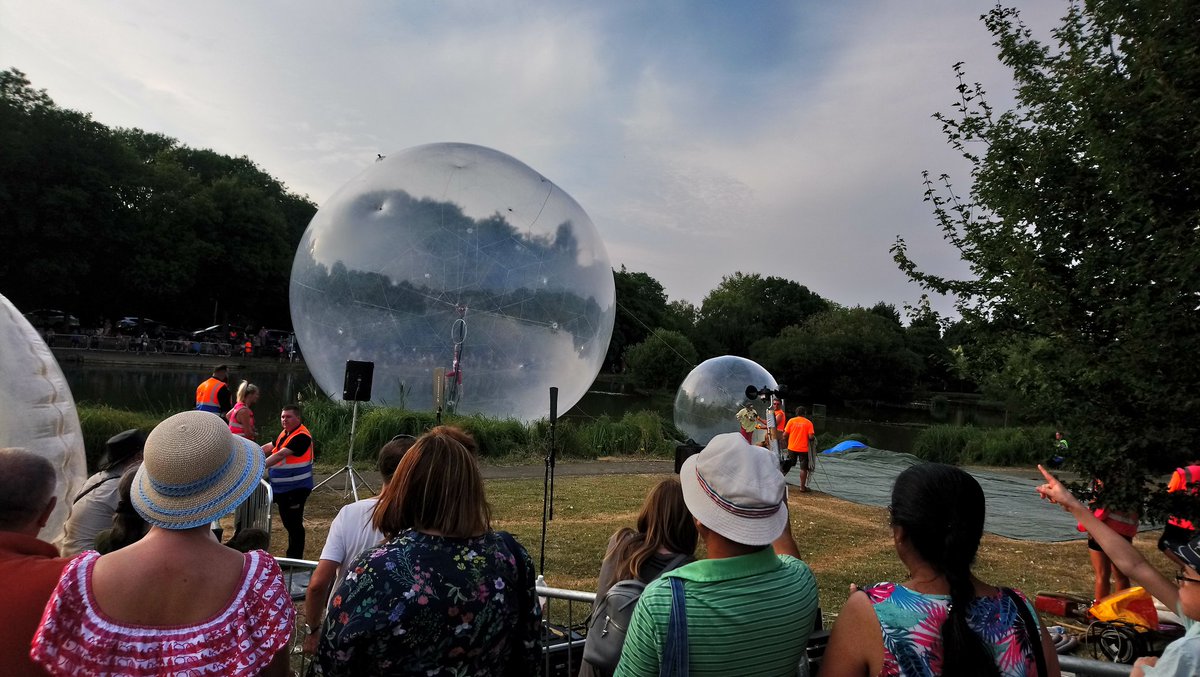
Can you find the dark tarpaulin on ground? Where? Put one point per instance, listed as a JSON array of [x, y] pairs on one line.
[[1014, 509]]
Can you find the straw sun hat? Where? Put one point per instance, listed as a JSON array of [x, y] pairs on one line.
[[736, 489], [194, 471]]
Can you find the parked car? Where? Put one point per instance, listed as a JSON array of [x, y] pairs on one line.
[[136, 326], [58, 320]]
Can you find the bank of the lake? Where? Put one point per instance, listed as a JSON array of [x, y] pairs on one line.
[[612, 419]]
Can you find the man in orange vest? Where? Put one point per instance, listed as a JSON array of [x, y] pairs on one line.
[[780, 418], [289, 464], [213, 395], [801, 439], [1178, 529]]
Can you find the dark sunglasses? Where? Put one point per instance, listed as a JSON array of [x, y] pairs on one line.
[[1181, 577]]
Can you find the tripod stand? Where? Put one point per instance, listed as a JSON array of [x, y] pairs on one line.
[[357, 387], [349, 487]]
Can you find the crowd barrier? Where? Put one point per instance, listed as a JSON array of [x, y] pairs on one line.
[[564, 615], [134, 344]]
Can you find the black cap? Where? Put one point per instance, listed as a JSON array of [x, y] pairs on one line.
[[121, 447], [1189, 552]]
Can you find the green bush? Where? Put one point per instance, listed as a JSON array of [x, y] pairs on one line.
[[984, 446], [943, 443], [1009, 446], [100, 422], [635, 433]]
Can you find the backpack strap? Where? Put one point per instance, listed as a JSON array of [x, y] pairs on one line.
[[675, 652], [92, 488], [1031, 630]]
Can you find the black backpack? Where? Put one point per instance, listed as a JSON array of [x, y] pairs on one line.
[[610, 620]]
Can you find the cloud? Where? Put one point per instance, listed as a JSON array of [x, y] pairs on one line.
[[780, 138]]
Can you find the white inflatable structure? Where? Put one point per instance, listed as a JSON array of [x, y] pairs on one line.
[[37, 411]]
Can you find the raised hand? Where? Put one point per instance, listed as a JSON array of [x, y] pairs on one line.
[[1056, 493]]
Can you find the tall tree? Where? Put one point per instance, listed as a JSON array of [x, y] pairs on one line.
[[641, 307], [842, 354], [109, 222], [1082, 230], [662, 360], [744, 308]]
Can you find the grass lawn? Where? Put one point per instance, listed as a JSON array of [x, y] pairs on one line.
[[843, 542]]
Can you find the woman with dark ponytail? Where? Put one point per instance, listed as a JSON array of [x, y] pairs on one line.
[[941, 620]]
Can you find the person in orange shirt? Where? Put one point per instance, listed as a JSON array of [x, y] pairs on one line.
[[801, 440]]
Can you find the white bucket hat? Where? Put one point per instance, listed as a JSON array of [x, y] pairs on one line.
[[194, 471], [736, 489]]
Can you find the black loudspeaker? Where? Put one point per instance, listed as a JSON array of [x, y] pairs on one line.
[[357, 387], [683, 451], [553, 404]]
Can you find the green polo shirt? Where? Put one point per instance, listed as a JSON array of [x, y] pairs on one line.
[[748, 615]]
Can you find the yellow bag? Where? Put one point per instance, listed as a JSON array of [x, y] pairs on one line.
[[1132, 605]]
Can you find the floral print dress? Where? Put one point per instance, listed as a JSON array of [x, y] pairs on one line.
[[912, 631], [430, 605]]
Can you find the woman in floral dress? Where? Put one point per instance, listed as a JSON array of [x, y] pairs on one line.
[[445, 595], [941, 620]]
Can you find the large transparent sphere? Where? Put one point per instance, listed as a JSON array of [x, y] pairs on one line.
[[710, 397], [455, 257], [37, 411]]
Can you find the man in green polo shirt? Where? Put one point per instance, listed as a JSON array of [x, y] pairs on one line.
[[751, 605]]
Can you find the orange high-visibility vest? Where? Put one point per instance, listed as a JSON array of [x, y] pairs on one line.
[[206, 396], [1189, 481], [296, 471]]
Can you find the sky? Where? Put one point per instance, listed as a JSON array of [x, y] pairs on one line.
[[702, 137]]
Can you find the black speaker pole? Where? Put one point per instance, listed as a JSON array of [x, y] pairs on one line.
[[548, 484]]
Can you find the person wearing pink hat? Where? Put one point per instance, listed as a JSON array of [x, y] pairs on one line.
[[750, 605]]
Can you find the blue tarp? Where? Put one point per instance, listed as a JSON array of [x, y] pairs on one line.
[[845, 446]]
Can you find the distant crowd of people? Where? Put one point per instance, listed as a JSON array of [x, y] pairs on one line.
[[416, 581]]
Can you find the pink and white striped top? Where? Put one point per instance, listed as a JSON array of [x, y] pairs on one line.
[[75, 637]]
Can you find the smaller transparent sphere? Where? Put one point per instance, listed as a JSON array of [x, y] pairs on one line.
[[710, 397], [37, 411]]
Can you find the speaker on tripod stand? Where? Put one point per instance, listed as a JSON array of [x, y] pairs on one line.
[[355, 388]]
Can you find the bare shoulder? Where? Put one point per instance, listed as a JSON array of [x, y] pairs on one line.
[[856, 641]]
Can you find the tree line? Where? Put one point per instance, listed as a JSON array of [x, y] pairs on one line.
[[821, 350], [109, 222]]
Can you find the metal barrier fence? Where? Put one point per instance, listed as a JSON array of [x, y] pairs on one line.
[[562, 646], [134, 344]]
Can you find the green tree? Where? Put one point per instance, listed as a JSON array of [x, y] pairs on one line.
[[681, 316], [641, 306], [1080, 229], [745, 308], [842, 354], [662, 360], [108, 222]]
